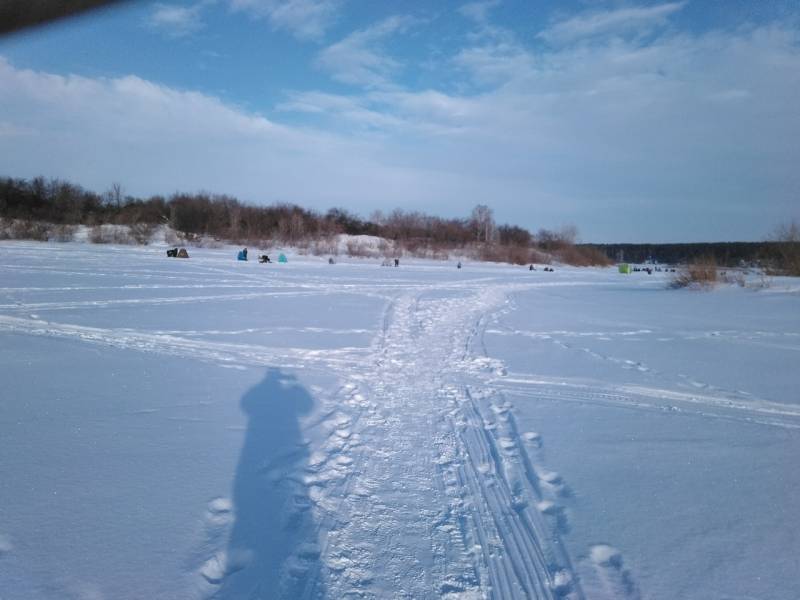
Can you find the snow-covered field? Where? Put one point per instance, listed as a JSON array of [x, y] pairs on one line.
[[200, 428]]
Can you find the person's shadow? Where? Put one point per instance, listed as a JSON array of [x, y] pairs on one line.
[[272, 549]]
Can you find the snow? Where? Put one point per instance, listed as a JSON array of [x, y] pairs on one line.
[[211, 428]]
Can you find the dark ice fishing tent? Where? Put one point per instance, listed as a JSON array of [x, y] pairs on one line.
[[175, 253], [282, 259]]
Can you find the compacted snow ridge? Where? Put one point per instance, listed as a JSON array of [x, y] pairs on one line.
[[204, 428]]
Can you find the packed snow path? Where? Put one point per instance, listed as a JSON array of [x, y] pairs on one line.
[[440, 461], [208, 429]]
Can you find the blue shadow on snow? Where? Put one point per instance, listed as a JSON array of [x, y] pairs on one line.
[[272, 548]]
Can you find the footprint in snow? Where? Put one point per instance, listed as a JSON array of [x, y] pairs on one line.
[[533, 438], [612, 573]]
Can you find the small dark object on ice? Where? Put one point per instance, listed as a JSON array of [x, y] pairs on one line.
[[331, 261], [396, 262], [264, 259]]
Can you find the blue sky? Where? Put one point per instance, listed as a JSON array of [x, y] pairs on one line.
[[635, 121]]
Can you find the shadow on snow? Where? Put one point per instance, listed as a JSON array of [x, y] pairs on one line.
[[272, 549]]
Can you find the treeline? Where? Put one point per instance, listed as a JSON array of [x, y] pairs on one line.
[[729, 254], [223, 217]]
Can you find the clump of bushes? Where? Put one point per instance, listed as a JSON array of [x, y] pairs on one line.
[[110, 234], [63, 233], [787, 261], [22, 229], [583, 256], [702, 274], [142, 232]]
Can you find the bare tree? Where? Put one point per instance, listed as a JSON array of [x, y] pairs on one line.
[[568, 234], [482, 220], [788, 238], [114, 195]]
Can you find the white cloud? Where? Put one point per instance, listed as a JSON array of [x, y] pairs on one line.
[[157, 139], [478, 11], [360, 59], [175, 20], [495, 63], [695, 134], [616, 21], [305, 19], [676, 126]]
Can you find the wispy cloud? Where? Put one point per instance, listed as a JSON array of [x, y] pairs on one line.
[[360, 58], [175, 20], [304, 19], [478, 11], [621, 20], [653, 129]]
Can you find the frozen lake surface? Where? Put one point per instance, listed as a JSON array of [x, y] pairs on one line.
[[208, 428]]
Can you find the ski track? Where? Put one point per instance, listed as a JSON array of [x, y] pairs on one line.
[[418, 447]]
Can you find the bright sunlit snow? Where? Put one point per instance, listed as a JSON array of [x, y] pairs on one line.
[[202, 428]]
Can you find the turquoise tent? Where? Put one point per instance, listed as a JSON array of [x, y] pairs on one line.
[[282, 258]]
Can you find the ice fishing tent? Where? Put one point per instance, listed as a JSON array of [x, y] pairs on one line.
[[282, 259], [241, 256], [625, 268], [182, 253]]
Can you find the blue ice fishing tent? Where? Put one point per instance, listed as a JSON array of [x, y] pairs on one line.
[[282, 259], [241, 255]]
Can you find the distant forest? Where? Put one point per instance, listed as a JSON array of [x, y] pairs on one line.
[[729, 254], [223, 217], [50, 209]]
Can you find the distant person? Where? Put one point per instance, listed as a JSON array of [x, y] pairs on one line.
[[264, 259], [331, 261], [458, 266], [531, 268], [396, 262]]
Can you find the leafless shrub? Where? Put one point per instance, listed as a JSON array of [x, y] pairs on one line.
[[582, 256], [171, 237], [360, 250], [62, 233], [440, 254], [735, 277], [702, 274], [96, 235], [385, 249], [28, 230], [110, 234], [764, 281], [142, 232], [540, 257], [326, 246], [788, 238]]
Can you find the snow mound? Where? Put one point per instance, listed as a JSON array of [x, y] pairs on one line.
[[605, 555]]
